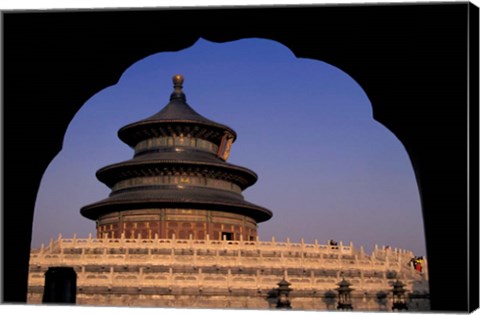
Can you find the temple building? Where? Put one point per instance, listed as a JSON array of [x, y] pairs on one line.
[[176, 231], [178, 183]]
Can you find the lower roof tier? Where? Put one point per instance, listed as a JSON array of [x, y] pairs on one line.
[[176, 197]]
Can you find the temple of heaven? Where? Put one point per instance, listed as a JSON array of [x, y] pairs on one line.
[[175, 231], [178, 183]]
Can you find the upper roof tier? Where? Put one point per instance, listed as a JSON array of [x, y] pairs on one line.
[[176, 118]]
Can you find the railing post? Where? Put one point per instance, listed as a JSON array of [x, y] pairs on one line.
[[50, 246]]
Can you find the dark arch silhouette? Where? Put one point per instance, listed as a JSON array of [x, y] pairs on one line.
[[411, 60]]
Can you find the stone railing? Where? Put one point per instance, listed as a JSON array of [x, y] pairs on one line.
[[223, 253], [222, 268]]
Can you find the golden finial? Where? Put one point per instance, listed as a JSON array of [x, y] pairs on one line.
[[178, 80], [177, 88]]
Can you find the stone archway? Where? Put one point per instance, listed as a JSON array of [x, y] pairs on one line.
[[55, 61]]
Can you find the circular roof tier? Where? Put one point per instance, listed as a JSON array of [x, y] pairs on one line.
[[176, 117], [163, 164], [186, 198]]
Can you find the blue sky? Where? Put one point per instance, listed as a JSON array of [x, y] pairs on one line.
[[326, 169]]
